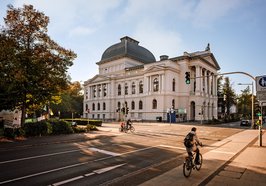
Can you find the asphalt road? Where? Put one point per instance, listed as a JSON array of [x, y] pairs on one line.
[[105, 157]]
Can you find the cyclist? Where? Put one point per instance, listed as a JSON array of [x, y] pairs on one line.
[[128, 124], [191, 143]]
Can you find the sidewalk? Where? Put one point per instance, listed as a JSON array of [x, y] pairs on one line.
[[236, 160]]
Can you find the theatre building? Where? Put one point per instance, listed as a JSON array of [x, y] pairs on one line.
[[130, 77]]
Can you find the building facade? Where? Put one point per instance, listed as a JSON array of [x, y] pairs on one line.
[[129, 76]]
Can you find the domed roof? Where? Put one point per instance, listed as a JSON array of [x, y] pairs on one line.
[[128, 47]]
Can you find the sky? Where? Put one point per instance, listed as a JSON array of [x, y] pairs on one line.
[[235, 29]]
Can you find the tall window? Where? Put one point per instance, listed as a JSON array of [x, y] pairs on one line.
[[154, 104], [173, 85], [99, 106], [126, 89], [140, 87], [155, 85], [118, 104], [140, 105], [99, 90], [173, 103], [119, 90], [94, 91], [132, 105], [104, 90], [104, 106], [133, 88], [93, 106]]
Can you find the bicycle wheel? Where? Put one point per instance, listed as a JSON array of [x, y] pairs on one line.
[[187, 168], [132, 129], [198, 166]]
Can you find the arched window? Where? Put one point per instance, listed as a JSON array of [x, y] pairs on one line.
[[93, 106], [132, 105], [99, 106], [119, 90], [126, 89], [99, 90], [133, 88], [104, 106], [104, 90], [154, 104], [118, 104], [155, 85], [173, 85], [140, 105], [94, 91], [173, 103], [140, 87]]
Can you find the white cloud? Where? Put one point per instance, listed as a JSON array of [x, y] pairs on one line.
[[81, 31], [158, 40], [65, 15], [207, 12]]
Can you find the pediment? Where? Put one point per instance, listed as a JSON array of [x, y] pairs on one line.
[[98, 78], [155, 68], [210, 60]]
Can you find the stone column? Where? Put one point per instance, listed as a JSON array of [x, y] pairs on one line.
[[198, 80]]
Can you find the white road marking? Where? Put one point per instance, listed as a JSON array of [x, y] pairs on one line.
[[105, 151], [40, 156], [74, 165], [67, 181], [98, 171]]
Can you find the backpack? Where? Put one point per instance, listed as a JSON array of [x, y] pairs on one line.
[[188, 140]]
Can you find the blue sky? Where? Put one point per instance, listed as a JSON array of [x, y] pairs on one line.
[[235, 29]]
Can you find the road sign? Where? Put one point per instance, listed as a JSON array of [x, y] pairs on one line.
[[261, 88], [261, 83], [261, 96]]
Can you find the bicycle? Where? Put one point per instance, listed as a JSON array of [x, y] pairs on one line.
[[190, 164], [130, 128], [123, 128]]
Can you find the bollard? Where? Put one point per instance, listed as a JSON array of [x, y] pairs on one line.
[[260, 136]]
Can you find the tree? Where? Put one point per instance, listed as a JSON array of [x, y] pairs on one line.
[[71, 102], [244, 103], [37, 66], [229, 95]]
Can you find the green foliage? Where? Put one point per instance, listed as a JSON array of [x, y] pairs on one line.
[[78, 129], [84, 121], [38, 128], [61, 127], [71, 102], [91, 127], [13, 132], [33, 67]]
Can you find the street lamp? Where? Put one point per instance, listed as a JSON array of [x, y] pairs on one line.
[[252, 102]]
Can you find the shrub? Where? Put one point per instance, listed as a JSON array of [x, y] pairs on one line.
[[95, 122], [13, 132], [91, 127], [38, 128], [61, 127], [79, 129]]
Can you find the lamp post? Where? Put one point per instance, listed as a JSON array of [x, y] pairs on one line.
[[252, 102]]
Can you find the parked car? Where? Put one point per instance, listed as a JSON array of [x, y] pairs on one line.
[[244, 122]]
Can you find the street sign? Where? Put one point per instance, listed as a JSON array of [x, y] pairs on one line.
[[261, 96], [261, 88], [261, 83]]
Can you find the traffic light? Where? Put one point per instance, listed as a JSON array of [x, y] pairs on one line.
[[127, 109], [187, 77]]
